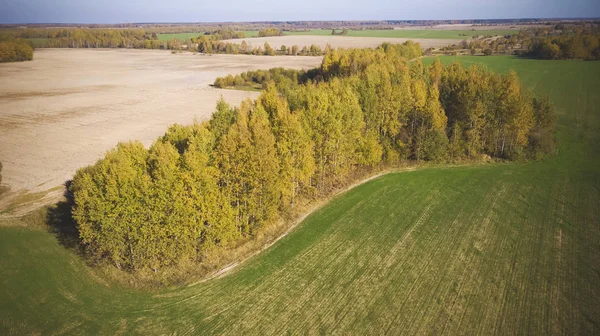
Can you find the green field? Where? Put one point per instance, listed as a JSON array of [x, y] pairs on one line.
[[39, 42], [179, 36], [251, 33], [494, 249], [421, 34]]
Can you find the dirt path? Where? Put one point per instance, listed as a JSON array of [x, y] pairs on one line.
[[67, 107]]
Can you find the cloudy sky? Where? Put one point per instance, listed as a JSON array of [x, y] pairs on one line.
[[121, 11]]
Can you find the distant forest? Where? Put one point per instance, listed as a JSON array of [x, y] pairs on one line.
[[574, 40], [562, 41], [87, 38], [290, 25], [210, 42], [566, 42], [208, 186]]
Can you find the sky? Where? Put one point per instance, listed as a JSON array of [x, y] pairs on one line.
[[134, 11]]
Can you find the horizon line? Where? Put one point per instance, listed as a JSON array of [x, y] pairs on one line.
[[287, 21]]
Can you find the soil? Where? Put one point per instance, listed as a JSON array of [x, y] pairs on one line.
[[67, 107]]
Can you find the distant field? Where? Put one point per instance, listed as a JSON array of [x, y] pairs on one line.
[[180, 36], [421, 34], [417, 34], [251, 33], [184, 36], [495, 249], [38, 42]]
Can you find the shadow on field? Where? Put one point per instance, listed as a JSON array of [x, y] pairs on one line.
[[61, 223]]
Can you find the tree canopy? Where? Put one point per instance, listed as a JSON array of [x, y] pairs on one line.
[[584, 46], [270, 32], [15, 50], [208, 185]]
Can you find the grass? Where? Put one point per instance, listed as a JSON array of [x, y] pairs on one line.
[[497, 249], [25, 199], [178, 36], [38, 42], [421, 34], [251, 33]]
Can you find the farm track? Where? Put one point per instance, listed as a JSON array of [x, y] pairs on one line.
[[498, 249]]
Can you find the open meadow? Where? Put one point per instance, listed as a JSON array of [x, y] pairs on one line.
[[65, 108], [179, 36], [506, 248]]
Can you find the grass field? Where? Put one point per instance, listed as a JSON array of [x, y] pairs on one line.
[[179, 36], [496, 249], [422, 34], [251, 33], [38, 42]]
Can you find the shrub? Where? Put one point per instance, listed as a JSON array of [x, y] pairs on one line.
[[15, 50]]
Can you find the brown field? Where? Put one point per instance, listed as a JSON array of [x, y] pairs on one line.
[[67, 107], [343, 41]]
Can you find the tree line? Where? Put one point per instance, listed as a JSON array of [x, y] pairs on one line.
[[259, 79], [584, 46], [562, 41], [209, 185], [343, 32], [270, 32], [90, 38], [226, 34], [15, 50], [209, 42], [211, 45], [109, 38]]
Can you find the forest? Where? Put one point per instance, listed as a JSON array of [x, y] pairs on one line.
[[210, 185], [583, 46], [15, 50], [209, 42], [562, 41], [87, 38], [102, 38]]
